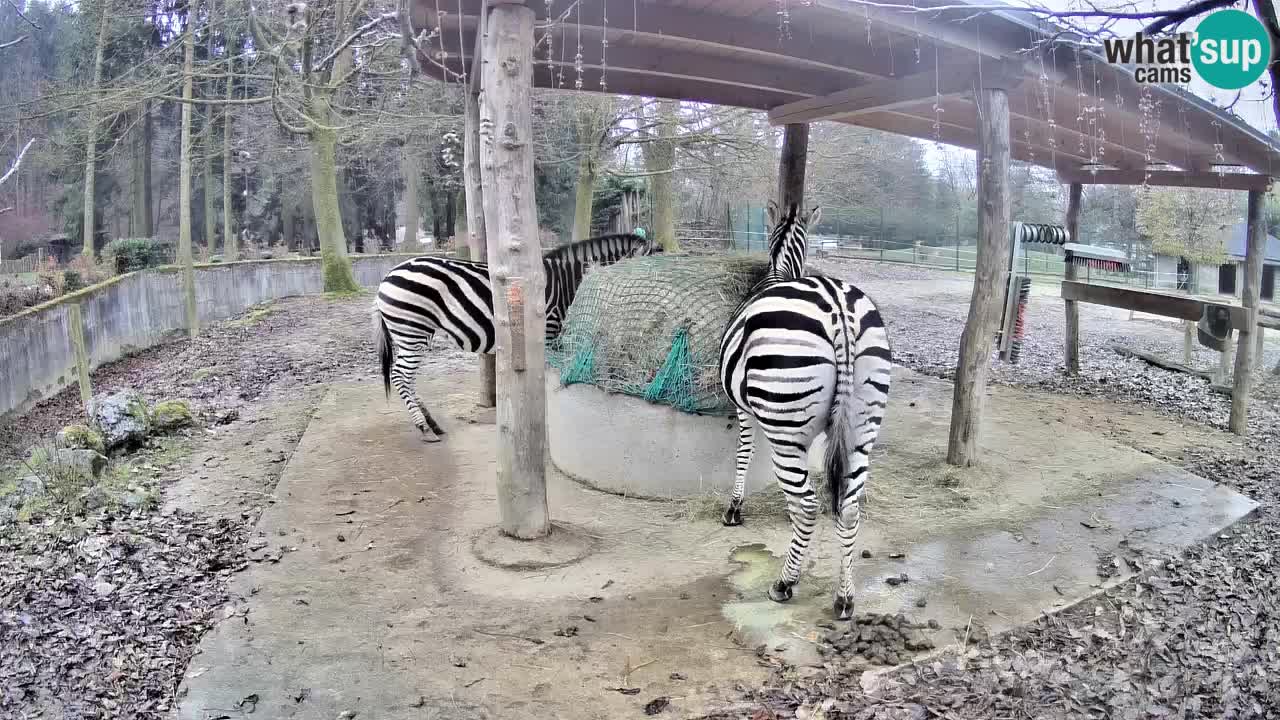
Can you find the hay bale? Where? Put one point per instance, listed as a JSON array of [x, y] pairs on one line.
[[650, 327]]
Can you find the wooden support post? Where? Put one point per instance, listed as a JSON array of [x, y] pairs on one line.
[[1224, 362], [795, 154], [1188, 341], [1073, 309], [515, 267], [75, 333], [1249, 297], [988, 278], [476, 243]]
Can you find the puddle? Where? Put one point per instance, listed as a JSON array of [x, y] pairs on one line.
[[790, 626]]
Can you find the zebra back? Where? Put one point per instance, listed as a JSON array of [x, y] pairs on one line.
[[566, 265]]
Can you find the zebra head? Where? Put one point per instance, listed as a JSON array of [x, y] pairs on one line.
[[788, 239]]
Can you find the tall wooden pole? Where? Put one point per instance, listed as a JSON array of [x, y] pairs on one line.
[[1073, 309], [795, 153], [988, 279], [475, 224], [1249, 297], [515, 267]]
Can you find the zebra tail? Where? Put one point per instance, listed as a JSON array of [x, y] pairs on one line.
[[382, 335], [859, 402], [840, 428]]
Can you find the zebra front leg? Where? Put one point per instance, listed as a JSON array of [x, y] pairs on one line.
[[802, 507], [426, 416], [746, 446]]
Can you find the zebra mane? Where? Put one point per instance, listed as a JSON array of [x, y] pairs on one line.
[[611, 246], [788, 241]]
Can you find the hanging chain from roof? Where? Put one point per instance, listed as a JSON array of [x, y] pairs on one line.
[[937, 96], [1144, 127], [915, 25], [784, 21], [604, 48], [550, 38], [1217, 150], [1098, 121], [577, 59], [439, 33], [462, 55], [1046, 104], [1080, 100]]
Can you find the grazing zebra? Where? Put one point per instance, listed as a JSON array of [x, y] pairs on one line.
[[803, 355], [426, 295]]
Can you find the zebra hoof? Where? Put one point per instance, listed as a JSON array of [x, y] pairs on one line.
[[844, 608], [732, 516], [780, 592], [430, 437]]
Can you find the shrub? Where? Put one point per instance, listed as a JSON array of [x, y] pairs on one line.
[[136, 254]]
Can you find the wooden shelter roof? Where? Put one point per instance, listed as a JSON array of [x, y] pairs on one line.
[[911, 73]]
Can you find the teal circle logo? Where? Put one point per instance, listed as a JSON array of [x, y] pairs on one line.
[[1231, 49]]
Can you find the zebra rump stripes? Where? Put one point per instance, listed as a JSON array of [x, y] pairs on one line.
[[427, 295], [805, 355]]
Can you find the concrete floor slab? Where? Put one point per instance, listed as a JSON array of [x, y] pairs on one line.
[[384, 610]]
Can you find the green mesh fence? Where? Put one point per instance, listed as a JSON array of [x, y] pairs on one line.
[[650, 327]]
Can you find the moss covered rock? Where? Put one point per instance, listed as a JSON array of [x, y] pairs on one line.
[[81, 437], [169, 415]]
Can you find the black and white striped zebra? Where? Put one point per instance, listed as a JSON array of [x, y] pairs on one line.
[[801, 356], [427, 295]]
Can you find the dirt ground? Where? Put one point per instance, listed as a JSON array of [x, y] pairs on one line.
[[1193, 636]]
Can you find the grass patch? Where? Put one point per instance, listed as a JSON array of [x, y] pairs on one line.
[[254, 315]]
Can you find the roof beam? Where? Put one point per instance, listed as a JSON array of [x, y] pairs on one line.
[[697, 31], [925, 24], [964, 136], [1167, 178], [894, 93]]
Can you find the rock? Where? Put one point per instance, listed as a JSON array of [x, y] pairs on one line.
[[103, 588], [8, 515], [121, 418], [95, 498], [866, 554], [81, 437], [135, 498], [84, 463], [170, 415], [30, 486]]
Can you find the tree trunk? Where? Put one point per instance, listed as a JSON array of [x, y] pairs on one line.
[[149, 216], [660, 157], [91, 143], [475, 226], [412, 213], [437, 227], [515, 269], [324, 200], [1072, 360], [989, 271], [229, 245], [585, 194], [184, 181], [450, 210], [138, 211], [210, 226], [1250, 295]]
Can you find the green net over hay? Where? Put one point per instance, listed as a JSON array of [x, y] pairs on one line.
[[650, 327]]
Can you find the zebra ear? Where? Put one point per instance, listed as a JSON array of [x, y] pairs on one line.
[[771, 214], [811, 220]]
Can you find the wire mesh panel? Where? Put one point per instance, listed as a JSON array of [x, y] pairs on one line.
[[650, 327]]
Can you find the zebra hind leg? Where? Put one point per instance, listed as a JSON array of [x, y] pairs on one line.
[[791, 468], [746, 446], [848, 522], [403, 372]]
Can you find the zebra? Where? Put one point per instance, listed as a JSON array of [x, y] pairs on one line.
[[426, 295], [802, 355]]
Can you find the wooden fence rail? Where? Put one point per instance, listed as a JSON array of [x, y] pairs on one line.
[[28, 264]]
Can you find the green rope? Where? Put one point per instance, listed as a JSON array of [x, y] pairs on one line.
[[673, 383], [582, 368]]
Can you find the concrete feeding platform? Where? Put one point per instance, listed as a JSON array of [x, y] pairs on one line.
[[400, 619]]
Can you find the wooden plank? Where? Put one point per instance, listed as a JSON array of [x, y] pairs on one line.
[[893, 93], [1159, 362], [886, 94], [1168, 178], [795, 155], [475, 225], [929, 26], [515, 270], [1072, 360], [989, 273], [1249, 298], [1181, 307]]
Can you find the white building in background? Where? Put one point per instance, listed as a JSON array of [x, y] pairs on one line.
[[1175, 273], [424, 238]]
